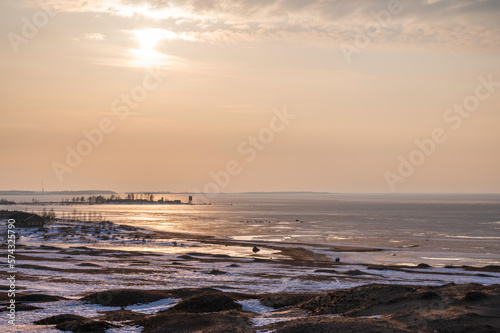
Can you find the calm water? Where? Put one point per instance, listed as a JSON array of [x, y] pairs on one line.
[[444, 229]]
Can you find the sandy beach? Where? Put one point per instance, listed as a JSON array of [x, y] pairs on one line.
[[119, 278]]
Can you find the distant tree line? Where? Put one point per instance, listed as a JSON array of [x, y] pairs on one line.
[[78, 216], [131, 197], [48, 215], [6, 202]]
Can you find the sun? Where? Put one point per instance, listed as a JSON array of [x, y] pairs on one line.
[[148, 39], [146, 55]]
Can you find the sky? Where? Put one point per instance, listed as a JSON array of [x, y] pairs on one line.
[[250, 95]]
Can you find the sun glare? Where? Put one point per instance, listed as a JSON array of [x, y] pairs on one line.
[[148, 57], [148, 38]]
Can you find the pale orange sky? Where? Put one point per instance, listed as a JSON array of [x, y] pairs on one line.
[[223, 68]]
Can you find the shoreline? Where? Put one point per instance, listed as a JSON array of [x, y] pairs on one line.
[[68, 262]]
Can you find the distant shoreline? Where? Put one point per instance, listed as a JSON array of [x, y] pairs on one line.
[[90, 192]]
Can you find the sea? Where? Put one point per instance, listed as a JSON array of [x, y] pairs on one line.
[[437, 229]]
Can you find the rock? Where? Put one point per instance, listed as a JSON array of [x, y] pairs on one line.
[[255, 249], [216, 272]]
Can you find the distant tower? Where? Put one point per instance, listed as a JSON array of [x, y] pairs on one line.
[[43, 191], [190, 199]]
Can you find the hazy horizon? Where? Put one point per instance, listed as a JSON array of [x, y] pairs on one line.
[[250, 96], [39, 192]]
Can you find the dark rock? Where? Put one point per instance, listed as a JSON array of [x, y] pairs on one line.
[[216, 272], [423, 265]]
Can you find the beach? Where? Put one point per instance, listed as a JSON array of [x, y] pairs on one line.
[[265, 283]]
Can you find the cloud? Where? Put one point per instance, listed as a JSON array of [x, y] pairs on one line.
[[94, 36], [467, 25]]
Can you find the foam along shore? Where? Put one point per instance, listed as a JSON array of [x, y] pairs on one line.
[[70, 261]]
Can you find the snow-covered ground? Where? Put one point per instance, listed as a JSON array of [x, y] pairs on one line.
[[73, 260]]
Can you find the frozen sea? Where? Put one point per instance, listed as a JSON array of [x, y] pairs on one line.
[[438, 229]]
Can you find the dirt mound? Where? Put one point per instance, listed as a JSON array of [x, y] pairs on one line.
[[75, 323], [422, 265], [125, 297], [336, 325], [454, 321], [229, 321], [19, 307], [355, 299], [88, 264], [448, 308], [59, 319], [121, 315], [188, 292], [206, 302], [475, 296], [277, 301], [216, 271], [355, 272], [185, 257], [331, 271], [89, 325], [38, 298]]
